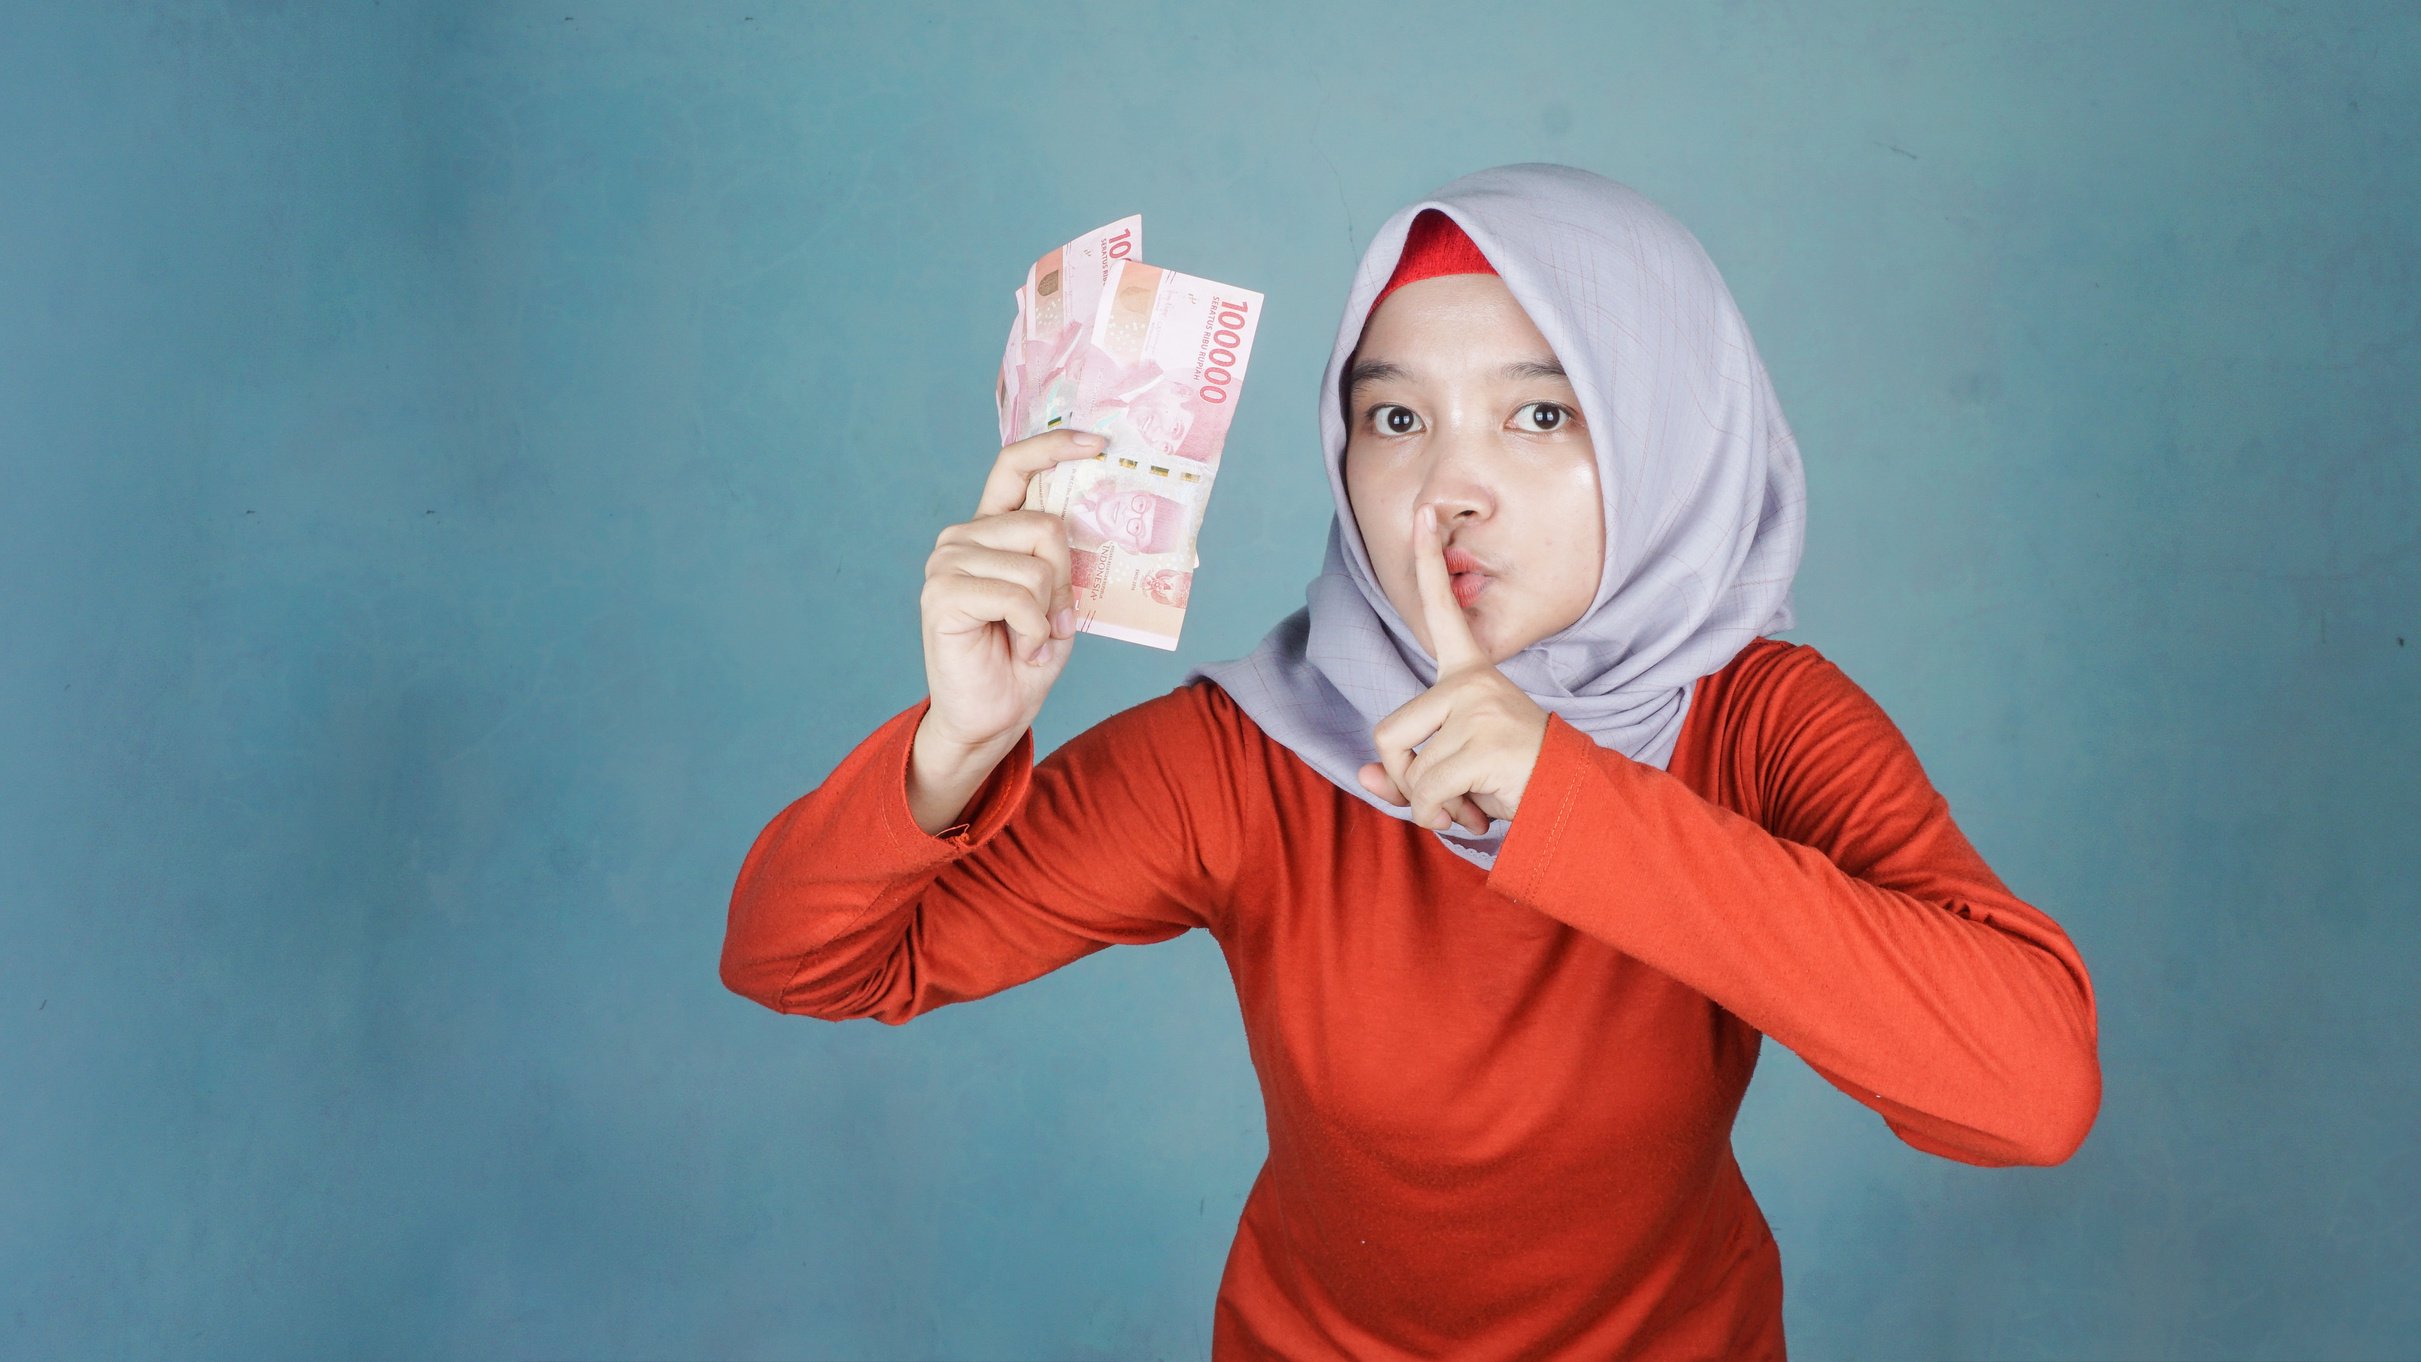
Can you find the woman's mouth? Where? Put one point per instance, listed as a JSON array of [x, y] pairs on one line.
[[1468, 574]]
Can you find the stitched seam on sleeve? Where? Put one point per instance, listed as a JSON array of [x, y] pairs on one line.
[[897, 803], [1522, 887], [1563, 819]]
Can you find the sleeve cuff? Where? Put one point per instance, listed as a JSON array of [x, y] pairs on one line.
[[1524, 858], [986, 813]]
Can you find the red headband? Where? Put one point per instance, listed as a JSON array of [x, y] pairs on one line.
[[1434, 246]]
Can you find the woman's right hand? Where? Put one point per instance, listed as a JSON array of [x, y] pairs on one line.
[[998, 610]]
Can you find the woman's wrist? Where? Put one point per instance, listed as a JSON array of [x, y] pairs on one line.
[[944, 775]]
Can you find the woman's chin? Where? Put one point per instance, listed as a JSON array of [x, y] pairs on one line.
[[1498, 637], [1487, 630]]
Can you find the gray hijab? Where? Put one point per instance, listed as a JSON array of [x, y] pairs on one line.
[[1704, 499]]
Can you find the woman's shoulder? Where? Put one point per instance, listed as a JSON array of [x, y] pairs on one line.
[[1196, 706], [1188, 760], [1783, 720], [1772, 676], [1776, 700], [1191, 728]]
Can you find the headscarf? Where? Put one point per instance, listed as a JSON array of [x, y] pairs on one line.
[[1704, 499]]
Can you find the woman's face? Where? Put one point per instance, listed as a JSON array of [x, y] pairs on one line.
[[1455, 399]]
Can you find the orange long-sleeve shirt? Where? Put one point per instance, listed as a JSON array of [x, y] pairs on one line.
[[1499, 1102]]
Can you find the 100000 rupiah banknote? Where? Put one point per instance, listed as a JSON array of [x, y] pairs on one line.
[[1055, 308], [1157, 373]]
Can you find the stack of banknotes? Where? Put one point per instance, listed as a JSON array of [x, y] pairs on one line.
[[1153, 360]]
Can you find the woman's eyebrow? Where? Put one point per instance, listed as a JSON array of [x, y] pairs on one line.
[[1531, 368], [1388, 371], [1375, 371]]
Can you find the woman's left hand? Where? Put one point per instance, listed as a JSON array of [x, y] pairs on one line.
[[1479, 734]]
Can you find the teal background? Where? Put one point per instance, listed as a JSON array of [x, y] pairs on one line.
[[464, 467]]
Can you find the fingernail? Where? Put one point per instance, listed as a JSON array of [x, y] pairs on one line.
[[1088, 439], [1064, 623]]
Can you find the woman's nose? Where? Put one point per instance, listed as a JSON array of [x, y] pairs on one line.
[[1458, 479]]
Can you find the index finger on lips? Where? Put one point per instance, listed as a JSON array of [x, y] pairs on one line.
[[1005, 489], [1449, 633]]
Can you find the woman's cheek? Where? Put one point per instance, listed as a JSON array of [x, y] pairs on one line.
[[1572, 540], [1383, 512], [1580, 463], [1582, 494]]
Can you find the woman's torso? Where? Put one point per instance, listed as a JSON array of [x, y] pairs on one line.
[[1489, 1133]]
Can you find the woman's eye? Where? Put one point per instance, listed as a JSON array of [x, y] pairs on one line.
[[1541, 417], [1394, 420]]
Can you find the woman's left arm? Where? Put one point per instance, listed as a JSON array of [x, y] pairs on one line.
[[1851, 921]]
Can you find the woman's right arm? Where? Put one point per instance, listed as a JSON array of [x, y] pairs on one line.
[[1129, 833], [854, 901]]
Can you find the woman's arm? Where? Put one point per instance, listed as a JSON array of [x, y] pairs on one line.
[[1856, 925], [845, 907]]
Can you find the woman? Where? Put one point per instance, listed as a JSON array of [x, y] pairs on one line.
[[1517, 838]]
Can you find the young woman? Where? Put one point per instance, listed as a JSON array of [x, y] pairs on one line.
[[1517, 838]]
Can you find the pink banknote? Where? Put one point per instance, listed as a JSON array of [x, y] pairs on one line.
[[1156, 368], [1055, 308]]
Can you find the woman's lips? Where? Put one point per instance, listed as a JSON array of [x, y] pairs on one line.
[[1468, 573], [1460, 559]]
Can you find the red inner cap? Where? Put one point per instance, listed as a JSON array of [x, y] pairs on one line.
[[1434, 246]]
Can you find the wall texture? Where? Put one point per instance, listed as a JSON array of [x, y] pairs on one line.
[[464, 467]]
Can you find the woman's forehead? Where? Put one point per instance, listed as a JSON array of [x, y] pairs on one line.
[[1455, 325]]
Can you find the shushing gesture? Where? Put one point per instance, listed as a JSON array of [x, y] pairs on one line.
[[1478, 735]]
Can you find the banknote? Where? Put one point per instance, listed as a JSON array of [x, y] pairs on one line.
[[1156, 369], [1005, 393], [1055, 315], [1065, 284]]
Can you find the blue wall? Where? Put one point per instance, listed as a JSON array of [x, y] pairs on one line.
[[464, 467]]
